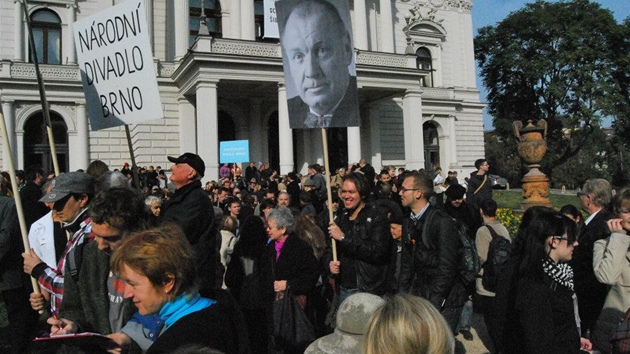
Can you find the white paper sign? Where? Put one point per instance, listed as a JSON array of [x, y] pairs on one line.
[[116, 62], [271, 19]]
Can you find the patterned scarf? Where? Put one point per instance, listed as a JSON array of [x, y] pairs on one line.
[[561, 273]]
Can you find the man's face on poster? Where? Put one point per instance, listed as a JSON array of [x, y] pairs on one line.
[[318, 52]]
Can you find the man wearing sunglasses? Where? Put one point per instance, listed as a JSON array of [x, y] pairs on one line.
[[93, 299], [70, 194]]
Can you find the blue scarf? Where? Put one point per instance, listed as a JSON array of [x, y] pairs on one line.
[[182, 306]]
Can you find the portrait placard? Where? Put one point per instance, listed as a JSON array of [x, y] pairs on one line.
[[116, 63], [319, 64]]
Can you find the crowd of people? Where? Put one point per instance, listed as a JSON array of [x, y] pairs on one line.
[[165, 265]]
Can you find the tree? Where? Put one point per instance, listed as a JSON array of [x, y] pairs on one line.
[[551, 61]]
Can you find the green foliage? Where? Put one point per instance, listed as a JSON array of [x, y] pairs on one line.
[[552, 61], [509, 201]]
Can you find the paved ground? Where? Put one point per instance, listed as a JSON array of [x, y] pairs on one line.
[[481, 341]]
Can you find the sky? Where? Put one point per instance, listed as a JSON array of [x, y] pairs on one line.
[[489, 12]]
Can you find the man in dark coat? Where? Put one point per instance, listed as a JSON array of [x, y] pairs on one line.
[[431, 251], [31, 193], [14, 285], [191, 209], [595, 197], [479, 184]]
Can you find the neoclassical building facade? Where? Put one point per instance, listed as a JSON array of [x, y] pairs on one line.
[[220, 79]]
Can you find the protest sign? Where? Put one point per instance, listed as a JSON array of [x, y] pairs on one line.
[[271, 19], [234, 151], [116, 62]]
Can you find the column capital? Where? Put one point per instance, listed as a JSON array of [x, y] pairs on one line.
[[414, 92], [282, 86], [211, 84]]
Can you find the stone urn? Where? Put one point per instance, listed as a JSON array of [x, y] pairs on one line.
[[532, 147]]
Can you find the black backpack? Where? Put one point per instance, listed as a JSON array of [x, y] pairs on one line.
[[498, 255], [469, 263]]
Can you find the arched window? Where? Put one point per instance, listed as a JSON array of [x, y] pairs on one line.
[[210, 16], [47, 36], [36, 146], [424, 63]]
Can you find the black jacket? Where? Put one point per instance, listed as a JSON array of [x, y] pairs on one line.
[[368, 243], [431, 263], [590, 292], [190, 208], [542, 319], [485, 192], [213, 327], [297, 265]]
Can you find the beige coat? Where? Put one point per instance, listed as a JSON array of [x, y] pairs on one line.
[[611, 262], [482, 241]]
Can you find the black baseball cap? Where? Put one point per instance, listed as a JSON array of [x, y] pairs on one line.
[[191, 159]]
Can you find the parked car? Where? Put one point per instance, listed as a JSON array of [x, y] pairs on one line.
[[498, 182]]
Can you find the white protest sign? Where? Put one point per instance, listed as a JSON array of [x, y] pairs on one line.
[[116, 62], [271, 19]]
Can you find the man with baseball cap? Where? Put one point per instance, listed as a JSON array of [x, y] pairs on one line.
[[191, 209], [71, 194]]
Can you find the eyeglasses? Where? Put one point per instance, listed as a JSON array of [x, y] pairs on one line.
[[403, 189], [565, 238]]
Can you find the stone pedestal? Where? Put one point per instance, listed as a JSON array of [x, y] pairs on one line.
[[532, 148]]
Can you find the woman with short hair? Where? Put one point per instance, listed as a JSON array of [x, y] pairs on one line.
[[158, 267]]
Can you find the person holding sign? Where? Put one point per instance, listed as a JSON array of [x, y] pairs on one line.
[[363, 243], [317, 52]]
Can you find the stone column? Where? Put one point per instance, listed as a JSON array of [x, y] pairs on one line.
[[452, 141], [255, 131], [207, 128], [387, 26], [181, 28], [187, 125], [248, 30], [9, 118], [375, 136], [235, 14], [18, 36], [68, 36], [285, 135], [80, 154], [360, 25], [412, 126], [149, 12], [354, 143]]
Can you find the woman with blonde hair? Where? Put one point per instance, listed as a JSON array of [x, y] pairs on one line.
[[408, 324]]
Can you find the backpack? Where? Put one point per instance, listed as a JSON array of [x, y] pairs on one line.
[[469, 263], [498, 256]]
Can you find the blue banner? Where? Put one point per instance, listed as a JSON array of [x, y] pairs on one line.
[[234, 151]]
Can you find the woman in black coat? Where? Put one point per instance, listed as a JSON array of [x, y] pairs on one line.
[[292, 262], [537, 297]]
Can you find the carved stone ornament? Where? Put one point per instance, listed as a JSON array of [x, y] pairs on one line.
[[532, 147], [445, 4]]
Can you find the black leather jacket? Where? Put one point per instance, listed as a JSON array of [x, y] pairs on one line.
[[368, 242], [430, 263]]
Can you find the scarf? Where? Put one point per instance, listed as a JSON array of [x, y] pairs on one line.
[[561, 273], [182, 306]]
